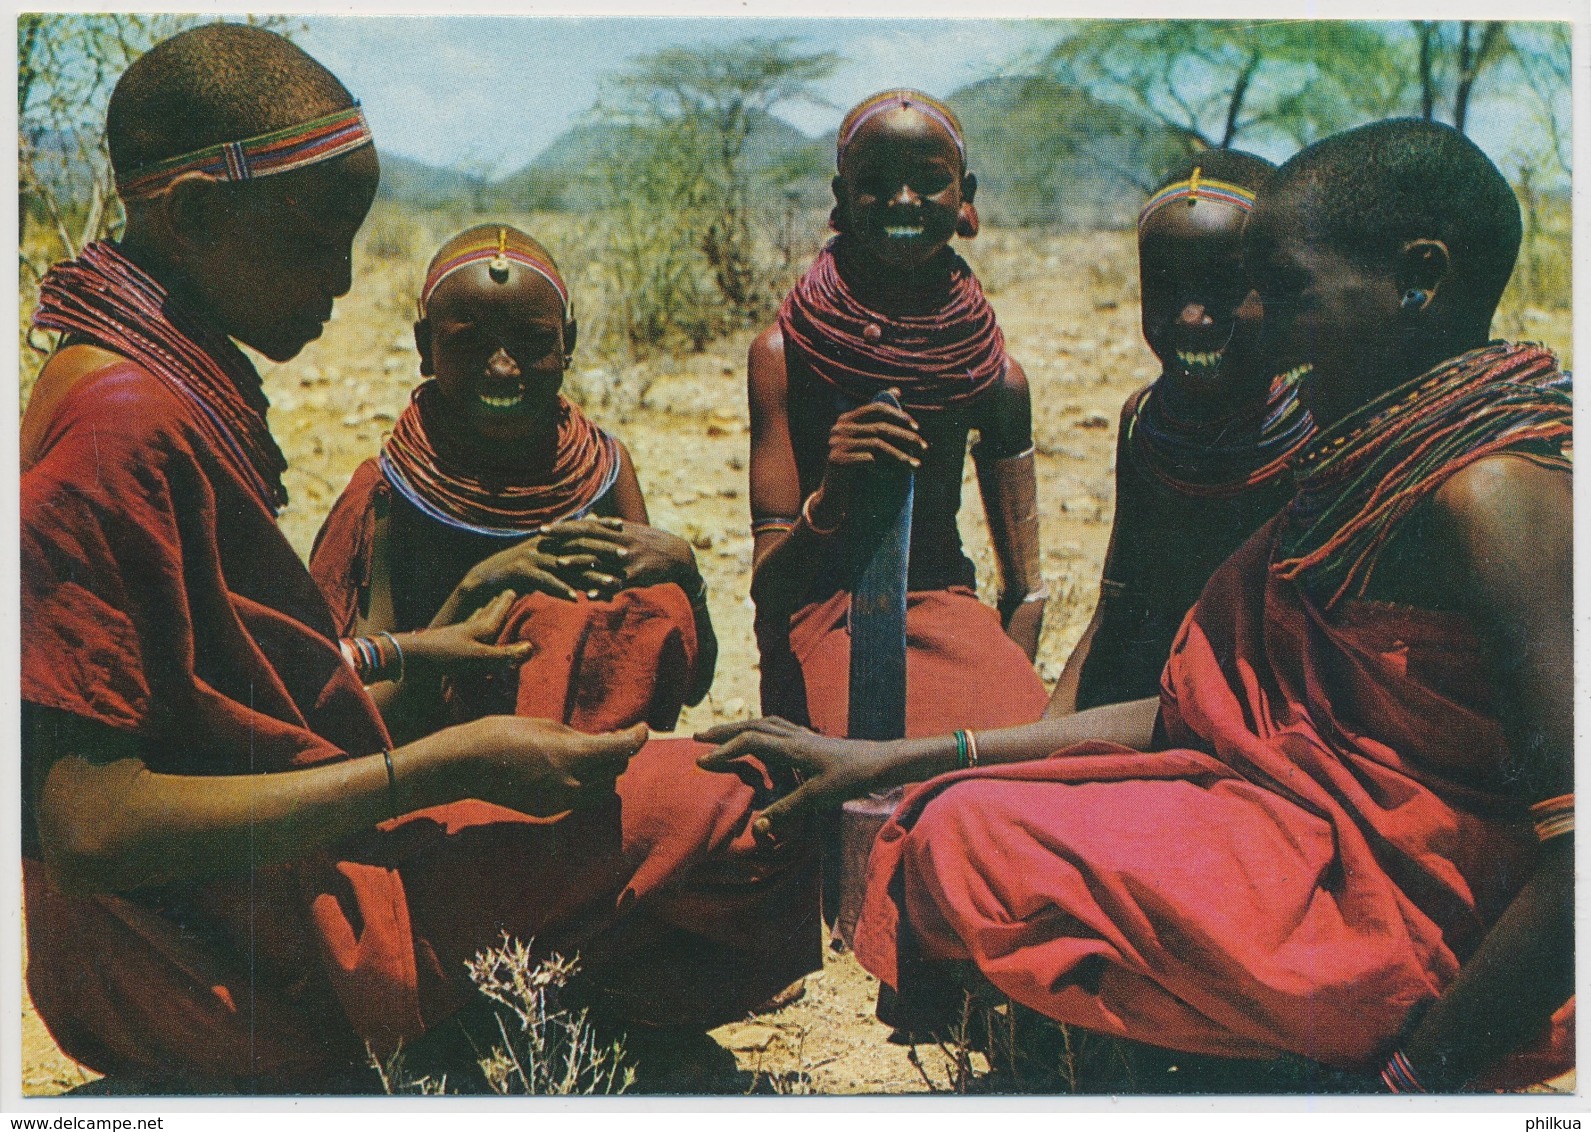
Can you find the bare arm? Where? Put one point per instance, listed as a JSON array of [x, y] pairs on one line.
[[1507, 524], [784, 562], [108, 823], [834, 770], [1005, 460], [1063, 700], [413, 706]]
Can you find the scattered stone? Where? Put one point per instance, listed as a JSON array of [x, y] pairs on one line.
[[1093, 419]]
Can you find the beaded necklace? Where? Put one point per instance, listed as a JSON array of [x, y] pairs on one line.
[[938, 361], [1369, 471], [584, 467], [106, 298], [1223, 458]]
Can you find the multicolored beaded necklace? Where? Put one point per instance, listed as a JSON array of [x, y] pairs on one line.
[[584, 468], [109, 300], [1223, 458], [1368, 472], [938, 361]]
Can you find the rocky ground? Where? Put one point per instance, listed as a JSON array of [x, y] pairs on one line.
[[1068, 304]]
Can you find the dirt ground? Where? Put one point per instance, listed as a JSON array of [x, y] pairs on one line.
[[1068, 304]]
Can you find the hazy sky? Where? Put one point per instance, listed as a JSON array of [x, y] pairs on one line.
[[489, 93], [494, 92]]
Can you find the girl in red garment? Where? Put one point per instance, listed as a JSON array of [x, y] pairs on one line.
[[888, 305]]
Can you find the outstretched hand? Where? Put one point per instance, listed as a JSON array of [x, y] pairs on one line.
[[466, 647], [610, 554], [543, 768], [830, 771]]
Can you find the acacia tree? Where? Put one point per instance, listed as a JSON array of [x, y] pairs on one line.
[[1454, 55], [1223, 82], [705, 103]]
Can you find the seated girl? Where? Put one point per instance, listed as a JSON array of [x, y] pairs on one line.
[[492, 480], [1201, 456], [889, 306], [498, 502]]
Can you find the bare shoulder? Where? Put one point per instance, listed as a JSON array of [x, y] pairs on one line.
[[1505, 494], [1004, 415], [767, 383], [765, 366]]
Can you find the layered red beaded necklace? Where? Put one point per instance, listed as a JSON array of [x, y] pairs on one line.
[[940, 360], [1368, 472], [584, 467], [106, 298], [1224, 458]]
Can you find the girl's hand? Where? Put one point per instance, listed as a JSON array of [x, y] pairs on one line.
[[874, 434], [621, 555], [831, 771], [537, 766], [468, 646], [525, 567]]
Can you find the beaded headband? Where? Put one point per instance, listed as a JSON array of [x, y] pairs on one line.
[[890, 99], [498, 255], [1196, 188], [279, 151]]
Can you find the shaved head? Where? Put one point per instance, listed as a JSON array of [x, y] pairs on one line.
[[1371, 189], [216, 83]]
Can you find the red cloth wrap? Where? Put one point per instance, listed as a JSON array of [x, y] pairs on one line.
[[961, 668], [598, 665], [1332, 843], [671, 860], [159, 598]]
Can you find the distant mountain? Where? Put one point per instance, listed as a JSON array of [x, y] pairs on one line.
[[414, 183], [1044, 153], [560, 176], [1047, 153]]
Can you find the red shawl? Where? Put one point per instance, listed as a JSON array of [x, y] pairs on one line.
[[1330, 843], [160, 598]]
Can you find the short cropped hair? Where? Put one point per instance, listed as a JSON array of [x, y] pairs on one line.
[[1235, 166], [211, 84], [1371, 190]]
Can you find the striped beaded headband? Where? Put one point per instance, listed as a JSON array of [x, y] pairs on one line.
[[1197, 188], [889, 99], [498, 256], [279, 151]]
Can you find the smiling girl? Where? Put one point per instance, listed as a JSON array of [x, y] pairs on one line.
[[493, 482], [1201, 457], [889, 306]]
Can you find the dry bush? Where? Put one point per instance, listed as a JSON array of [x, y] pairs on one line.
[[545, 1048]]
